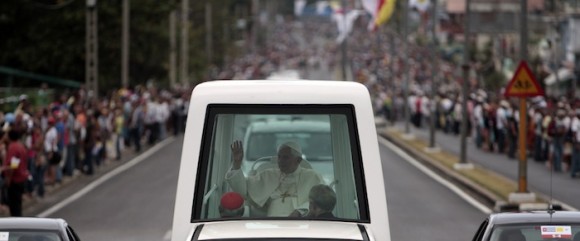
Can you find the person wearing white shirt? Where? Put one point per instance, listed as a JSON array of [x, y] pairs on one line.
[[501, 124], [537, 120], [152, 121], [51, 149], [575, 128], [163, 116], [479, 124]]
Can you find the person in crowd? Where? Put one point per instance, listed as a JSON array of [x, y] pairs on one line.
[[176, 112], [92, 135], [546, 137], [557, 132], [501, 126], [81, 129], [104, 121], [575, 133], [119, 122], [62, 141], [15, 171], [137, 123], [277, 190], [51, 151], [457, 115], [512, 131], [537, 124], [151, 121], [71, 140], [39, 161], [162, 117], [478, 121]]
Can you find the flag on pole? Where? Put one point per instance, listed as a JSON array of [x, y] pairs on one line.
[[421, 5], [371, 7], [385, 10], [380, 10], [299, 7], [345, 22]]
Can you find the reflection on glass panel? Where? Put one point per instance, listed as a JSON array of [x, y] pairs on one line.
[[29, 235], [547, 232], [262, 166]]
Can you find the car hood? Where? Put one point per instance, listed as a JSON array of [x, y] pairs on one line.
[[280, 229]]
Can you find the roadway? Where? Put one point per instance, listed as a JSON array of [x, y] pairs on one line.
[[137, 204], [540, 181]]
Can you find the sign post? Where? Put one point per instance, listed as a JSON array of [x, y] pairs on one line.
[[523, 85]]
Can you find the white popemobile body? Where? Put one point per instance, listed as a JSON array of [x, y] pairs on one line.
[[348, 157]]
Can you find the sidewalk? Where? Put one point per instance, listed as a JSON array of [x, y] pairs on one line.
[[565, 189]]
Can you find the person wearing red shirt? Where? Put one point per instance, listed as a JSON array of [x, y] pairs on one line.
[[15, 172]]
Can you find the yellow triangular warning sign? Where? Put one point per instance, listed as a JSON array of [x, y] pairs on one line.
[[523, 84]]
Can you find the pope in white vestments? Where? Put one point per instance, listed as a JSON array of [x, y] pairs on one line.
[[280, 190]]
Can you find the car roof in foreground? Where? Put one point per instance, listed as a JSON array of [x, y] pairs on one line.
[[281, 229], [536, 217], [31, 223]]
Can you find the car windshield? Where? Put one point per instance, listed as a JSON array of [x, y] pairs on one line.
[[302, 164], [536, 232], [29, 235]]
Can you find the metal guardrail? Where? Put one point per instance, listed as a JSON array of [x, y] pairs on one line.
[[39, 77]]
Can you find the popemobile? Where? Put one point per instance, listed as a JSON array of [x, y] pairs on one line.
[[271, 159]]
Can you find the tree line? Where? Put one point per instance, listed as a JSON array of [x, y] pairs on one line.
[[48, 37]]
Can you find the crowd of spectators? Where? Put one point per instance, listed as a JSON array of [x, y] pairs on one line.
[[377, 60], [75, 133], [553, 134], [288, 45]]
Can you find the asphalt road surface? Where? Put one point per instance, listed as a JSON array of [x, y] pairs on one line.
[[137, 204], [562, 187]]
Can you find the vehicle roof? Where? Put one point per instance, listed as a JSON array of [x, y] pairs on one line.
[[290, 126], [280, 229], [281, 92], [32, 223], [535, 217]]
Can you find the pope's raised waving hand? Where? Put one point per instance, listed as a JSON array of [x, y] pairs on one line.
[[237, 154]]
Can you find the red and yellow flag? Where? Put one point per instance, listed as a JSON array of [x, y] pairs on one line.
[[384, 11]]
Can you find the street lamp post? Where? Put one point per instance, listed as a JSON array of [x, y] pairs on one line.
[[343, 48], [91, 48], [184, 72], [406, 79], [172, 49], [125, 51], [432, 103], [463, 164]]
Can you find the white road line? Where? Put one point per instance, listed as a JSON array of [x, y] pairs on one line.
[[106, 177], [436, 177], [167, 235]]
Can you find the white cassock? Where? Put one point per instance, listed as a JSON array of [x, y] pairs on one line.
[[285, 192]]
